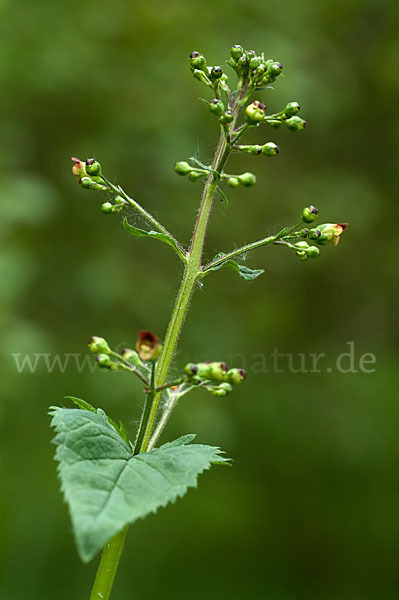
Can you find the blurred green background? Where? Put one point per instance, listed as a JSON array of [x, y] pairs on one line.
[[310, 508]]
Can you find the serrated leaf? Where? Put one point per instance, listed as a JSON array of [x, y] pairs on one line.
[[243, 271], [157, 235], [120, 428], [106, 487]]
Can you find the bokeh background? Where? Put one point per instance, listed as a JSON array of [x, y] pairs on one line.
[[310, 508]]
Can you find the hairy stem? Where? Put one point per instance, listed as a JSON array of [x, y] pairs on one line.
[[108, 566], [193, 267]]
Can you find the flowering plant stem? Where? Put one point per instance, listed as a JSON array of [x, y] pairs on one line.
[[134, 482], [108, 566], [112, 552]]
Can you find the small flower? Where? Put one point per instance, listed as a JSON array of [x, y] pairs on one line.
[[327, 232], [148, 346], [79, 168]]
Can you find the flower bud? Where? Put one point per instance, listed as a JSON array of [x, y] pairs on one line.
[[236, 52], [255, 149], [215, 371], [255, 112], [216, 107], [89, 184], [182, 168], [98, 345], [295, 124], [274, 69], [216, 73], [270, 149], [254, 62], [242, 61], [131, 356], [309, 214], [260, 70], [221, 390], [200, 75], [191, 369], [313, 252], [275, 123], [291, 109], [119, 200], [236, 376], [195, 175], [247, 179], [93, 167], [148, 346], [233, 182], [197, 61], [107, 207], [227, 117], [104, 361]]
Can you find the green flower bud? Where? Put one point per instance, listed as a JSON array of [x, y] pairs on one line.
[[236, 376], [104, 361], [119, 200], [89, 184], [242, 61], [247, 179], [291, 109], [86, 182], [197, 61], [98, 345], [313, 252], [274, 69], [275, 123], [200, 75], [295, 124], [215, 371], [233, 182], [255, 149], [93, 167], [221, 390], [270, 149], [255, 112], [236, 52], [107, 208], [309, 214], [227, 117], [216, 73], [260, 70], [302, 246], [182, 168], [216, 107], [195, 175], [191, 369], [255, 62], [131, 356]]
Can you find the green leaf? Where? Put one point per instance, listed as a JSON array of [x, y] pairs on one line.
[[157, 235], [106, 487], [243, 271], [120, 428]]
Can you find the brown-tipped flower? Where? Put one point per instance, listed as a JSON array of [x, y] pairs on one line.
[[148, 346], [328, 232], [79, 168]]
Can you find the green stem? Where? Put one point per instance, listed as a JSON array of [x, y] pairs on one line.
[[146, 412], [263, 242], [148, 216], [193, 267], [108, 566]]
